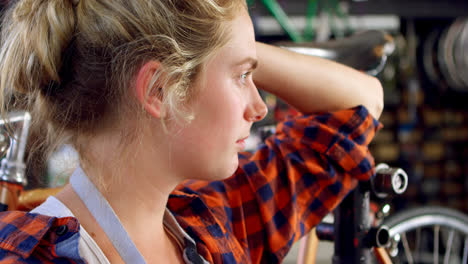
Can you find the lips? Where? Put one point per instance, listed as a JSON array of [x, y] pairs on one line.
[[242, 139], [241, 143]]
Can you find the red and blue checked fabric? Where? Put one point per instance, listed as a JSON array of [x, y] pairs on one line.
[[33, 238], [279, 193], [276, 196]]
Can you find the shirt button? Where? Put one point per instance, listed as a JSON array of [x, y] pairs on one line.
[[61, 230]]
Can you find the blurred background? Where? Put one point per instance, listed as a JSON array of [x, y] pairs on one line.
[[425, 82]]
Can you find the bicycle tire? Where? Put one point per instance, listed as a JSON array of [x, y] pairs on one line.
[[441, 221]]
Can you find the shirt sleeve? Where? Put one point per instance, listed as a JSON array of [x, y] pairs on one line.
[[292, 181]]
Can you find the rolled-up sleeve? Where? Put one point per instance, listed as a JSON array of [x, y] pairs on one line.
[[292, 181]]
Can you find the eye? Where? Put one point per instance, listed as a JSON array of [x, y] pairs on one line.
[[244, 76]]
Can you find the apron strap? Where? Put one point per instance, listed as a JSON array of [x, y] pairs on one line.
[[106, 217]]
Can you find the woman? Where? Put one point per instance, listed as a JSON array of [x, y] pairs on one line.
[[158, 98]]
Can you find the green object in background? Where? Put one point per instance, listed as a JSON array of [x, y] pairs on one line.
[[309, 31], [332, 7], [278, 12]]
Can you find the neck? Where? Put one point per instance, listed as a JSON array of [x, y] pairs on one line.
[[140, 206], [152, 242], [137, 194]]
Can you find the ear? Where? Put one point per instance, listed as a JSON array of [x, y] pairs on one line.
[[148, 92]]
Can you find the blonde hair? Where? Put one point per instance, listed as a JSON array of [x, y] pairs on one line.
[[71, 62]]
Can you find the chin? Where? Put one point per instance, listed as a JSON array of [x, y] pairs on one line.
[[234, 165], [217, 169], [228, 170]]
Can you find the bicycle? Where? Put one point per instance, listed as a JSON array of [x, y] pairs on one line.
[[409, 236]]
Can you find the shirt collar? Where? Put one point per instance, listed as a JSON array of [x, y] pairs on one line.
[[21, 232]]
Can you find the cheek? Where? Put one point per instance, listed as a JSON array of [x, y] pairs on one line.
[[221, 109], [203, 154], [207, 147]]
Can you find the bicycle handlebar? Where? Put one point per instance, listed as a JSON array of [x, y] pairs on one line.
[[15, 130]]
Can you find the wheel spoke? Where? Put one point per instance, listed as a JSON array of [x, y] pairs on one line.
[[449, 246], [418, 241], [465, 251], [436, 244], [429, 235], [409, 257]]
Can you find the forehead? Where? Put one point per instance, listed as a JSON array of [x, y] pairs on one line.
[[241, 41]]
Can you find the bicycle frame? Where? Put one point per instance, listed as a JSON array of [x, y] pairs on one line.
[[12, 169], [352, 232]]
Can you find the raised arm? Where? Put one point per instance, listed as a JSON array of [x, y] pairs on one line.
[[313, 84]]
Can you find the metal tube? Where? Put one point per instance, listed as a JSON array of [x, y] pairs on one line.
[[351, 227]]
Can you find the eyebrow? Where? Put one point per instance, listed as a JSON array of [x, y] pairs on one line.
[[253, 62]]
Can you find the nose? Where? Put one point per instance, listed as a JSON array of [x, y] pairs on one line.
[[256, 110]]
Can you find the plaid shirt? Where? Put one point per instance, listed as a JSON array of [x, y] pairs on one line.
[[276, 196]]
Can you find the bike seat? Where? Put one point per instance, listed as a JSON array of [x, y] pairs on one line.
[[366, 51]]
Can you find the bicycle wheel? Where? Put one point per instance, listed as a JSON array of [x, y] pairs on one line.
[[428, 235]]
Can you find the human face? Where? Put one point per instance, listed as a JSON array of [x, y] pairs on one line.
[[226, 105]]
